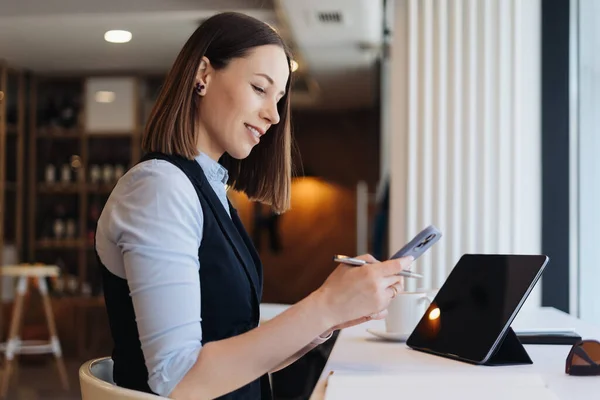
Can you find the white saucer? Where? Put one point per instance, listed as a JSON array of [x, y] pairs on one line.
[[392, 336]]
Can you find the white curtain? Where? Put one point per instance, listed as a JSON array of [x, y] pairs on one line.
[[464, 109]]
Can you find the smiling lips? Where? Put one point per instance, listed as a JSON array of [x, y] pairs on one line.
[[256, 132]]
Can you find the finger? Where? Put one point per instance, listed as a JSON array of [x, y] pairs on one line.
[[368, 258], [394, 290], [380, 315], [392, 280], [393, 267]]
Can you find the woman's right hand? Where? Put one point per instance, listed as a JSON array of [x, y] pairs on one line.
[[351, 293]]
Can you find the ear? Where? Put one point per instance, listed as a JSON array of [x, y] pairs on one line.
[[203, 76]]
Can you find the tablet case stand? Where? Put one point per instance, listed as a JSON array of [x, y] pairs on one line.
[[509, 351]]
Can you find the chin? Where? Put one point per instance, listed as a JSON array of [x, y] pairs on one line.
[[241, 152]]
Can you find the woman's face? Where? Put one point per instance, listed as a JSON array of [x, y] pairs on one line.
[[239, 102]]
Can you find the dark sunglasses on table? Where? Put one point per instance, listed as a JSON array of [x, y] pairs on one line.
[[584, 359]]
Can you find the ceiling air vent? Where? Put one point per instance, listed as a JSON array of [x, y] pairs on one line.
[[330, 17]]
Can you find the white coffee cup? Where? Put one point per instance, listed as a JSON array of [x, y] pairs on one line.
[[406, 310]]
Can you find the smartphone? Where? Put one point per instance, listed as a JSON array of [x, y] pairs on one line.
[[558, 337], [420, 243], [415, 248]]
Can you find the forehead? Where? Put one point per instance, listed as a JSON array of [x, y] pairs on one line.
[[270, 60]]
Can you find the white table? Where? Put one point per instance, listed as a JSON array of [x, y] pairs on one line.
[[358, 350]]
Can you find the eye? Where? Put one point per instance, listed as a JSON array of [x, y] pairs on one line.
[[258, 89]]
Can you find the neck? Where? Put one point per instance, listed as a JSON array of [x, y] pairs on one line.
[[208, 146]]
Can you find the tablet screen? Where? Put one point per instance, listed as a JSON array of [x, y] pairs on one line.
[[478, 300]]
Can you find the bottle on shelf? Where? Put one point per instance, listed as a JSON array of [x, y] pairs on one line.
[[65, 174], [50, 174], [60, 220], [68, 113]]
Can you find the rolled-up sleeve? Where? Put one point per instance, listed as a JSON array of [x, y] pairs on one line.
[[156, 223]]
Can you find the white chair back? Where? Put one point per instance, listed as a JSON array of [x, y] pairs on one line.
[[96, 376], [96, 381]]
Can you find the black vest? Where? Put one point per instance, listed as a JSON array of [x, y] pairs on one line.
[[230, 283]]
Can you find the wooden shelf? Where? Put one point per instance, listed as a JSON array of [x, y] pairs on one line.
[[10, 186], [58, 188], [59, 243], [78, 134], [109, 135], [12, 166], [57, 146], [74, 188], [11, 129], [57, 133], [100, 188]]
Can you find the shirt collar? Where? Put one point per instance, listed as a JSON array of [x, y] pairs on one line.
[[212, 169]]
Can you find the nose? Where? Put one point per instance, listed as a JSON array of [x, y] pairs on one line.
[[270, 113]]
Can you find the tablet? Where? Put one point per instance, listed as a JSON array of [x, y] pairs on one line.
[[474, 308]]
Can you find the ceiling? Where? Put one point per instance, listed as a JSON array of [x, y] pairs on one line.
[[336, 42]]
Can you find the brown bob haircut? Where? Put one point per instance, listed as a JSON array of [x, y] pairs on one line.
[[172, 128]]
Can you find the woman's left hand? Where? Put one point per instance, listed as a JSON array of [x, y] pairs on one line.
[[379, 315]]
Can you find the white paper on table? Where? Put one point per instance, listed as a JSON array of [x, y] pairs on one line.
[[447, 386]]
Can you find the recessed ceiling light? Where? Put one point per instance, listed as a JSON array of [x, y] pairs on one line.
[[117, 36], [294, 65], [104, 96]]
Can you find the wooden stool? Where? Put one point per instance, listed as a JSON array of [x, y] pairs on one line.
[[15, 345]]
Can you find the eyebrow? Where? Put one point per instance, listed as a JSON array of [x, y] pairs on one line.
[[271, 81]]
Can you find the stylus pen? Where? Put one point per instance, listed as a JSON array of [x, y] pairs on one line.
[[355, 262]]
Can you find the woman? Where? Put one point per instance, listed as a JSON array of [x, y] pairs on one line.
[[182, 281]]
